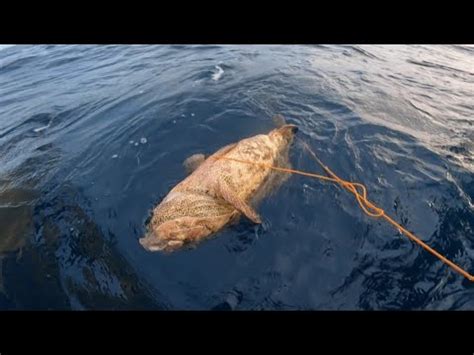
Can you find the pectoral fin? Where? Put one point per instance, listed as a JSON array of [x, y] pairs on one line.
[[193, 162], [232, 198]]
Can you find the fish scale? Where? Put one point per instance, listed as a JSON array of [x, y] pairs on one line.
[[198, 208]]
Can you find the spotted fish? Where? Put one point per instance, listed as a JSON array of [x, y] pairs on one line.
[[218, 191]]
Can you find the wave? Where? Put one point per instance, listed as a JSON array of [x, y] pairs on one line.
[[428, 64]]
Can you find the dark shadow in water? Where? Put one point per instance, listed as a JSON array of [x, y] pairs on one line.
[[53, 255]]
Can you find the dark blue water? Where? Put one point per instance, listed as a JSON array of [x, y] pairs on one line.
[[93, 137]]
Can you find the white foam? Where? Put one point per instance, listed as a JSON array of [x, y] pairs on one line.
[[39, 129], [217, 75], [143, 140]]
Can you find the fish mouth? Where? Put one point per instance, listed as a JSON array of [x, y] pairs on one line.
[[293, 128], [286, 131], [152, 244]]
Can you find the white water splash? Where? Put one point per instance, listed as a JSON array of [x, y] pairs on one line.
[[39, 129], [217, 75]]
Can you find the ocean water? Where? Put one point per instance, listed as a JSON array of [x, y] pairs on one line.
[[93, 137]]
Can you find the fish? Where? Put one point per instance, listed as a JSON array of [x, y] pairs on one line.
[[218, 191]]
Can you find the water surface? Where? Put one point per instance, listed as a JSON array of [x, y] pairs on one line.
[[93, 137]]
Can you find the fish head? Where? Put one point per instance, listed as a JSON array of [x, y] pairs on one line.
[[184, 220], [283, 135], [174, 234]]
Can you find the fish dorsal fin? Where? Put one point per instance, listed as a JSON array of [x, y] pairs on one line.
[[193, 162], [279, 120], [233, 199]]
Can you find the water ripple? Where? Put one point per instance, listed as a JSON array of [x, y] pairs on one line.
[[93, 137]]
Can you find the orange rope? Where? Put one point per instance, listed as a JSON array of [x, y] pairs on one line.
[[368, 207]]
